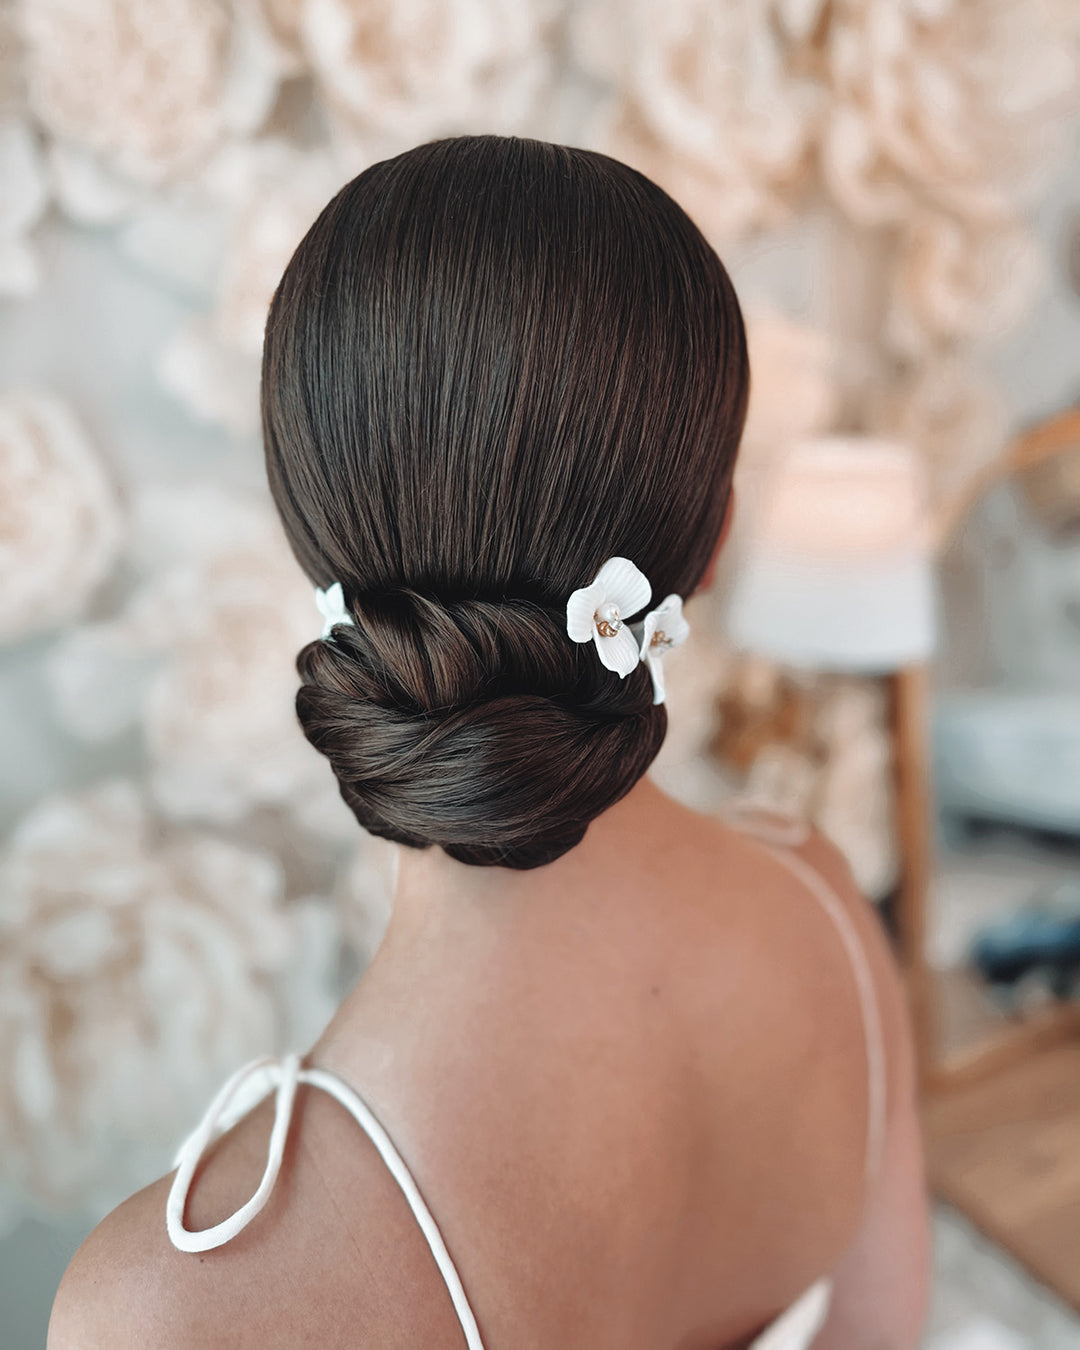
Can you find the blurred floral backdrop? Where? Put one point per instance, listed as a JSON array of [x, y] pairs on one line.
[[180, 885]]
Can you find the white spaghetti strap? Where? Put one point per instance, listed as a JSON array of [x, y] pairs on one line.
[[798, 1324], [288, 1073], [871, 1017], [401, 1174], [777, 832]]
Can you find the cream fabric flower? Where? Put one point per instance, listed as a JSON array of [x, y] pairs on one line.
[[202, 659], [660, 630], [61, 523], [23, 174], [955, 416], [704, 98], [262, 196], [148, 87], [943, 120], [22, 204], [396, 72], [138, 966], [600, 612]]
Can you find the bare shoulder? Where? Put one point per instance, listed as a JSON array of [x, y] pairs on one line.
[[768, 870], [803, 960], [334, 1258], [128, 1286], [115, 1291]]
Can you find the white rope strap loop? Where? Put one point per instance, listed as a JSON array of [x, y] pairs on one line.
[[288, 1074], [285, 1071]]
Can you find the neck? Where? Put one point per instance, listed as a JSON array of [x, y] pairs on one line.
[[624, 838], [451, 919]]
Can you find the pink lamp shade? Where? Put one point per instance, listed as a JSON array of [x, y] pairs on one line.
[[837, 572]]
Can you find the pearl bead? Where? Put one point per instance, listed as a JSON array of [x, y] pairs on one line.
[[607, 619]]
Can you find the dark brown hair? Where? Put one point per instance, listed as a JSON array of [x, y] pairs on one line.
[[491, 364]]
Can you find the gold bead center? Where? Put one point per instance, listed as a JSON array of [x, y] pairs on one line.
[[607, 619]]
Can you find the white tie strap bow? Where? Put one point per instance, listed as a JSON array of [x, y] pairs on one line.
[[284, 1074]]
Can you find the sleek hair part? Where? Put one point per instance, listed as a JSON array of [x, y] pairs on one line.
[[491, 364]]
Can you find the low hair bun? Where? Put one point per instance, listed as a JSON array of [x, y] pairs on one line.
[[475, 725], [492, 363]]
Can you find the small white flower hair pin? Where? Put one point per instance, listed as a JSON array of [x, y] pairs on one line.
[[660, 630], [600, 611], [331, 605]]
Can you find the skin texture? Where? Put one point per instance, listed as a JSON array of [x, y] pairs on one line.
[[632, 1087], [634, 1097]]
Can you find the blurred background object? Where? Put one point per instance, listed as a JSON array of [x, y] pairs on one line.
[[1002, 965], [836, 575], [895, 189]]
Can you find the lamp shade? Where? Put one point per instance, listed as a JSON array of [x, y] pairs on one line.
[[836, 572]]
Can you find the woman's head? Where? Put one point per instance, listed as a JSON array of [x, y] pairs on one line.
[[491, 364]]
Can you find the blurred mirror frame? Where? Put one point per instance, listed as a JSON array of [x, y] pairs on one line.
[[1001, 1087]]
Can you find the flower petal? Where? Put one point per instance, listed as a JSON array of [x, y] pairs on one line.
[[323, 603], [669, 617], [580, 609], [624, 585], [618, 653], [331, 605], [656, 670]]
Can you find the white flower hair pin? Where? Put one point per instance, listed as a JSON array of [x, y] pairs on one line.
[[331, 605], [601, 610], [660, 630], [599, 613]]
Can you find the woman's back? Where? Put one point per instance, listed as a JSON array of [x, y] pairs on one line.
[[639, 1115]]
